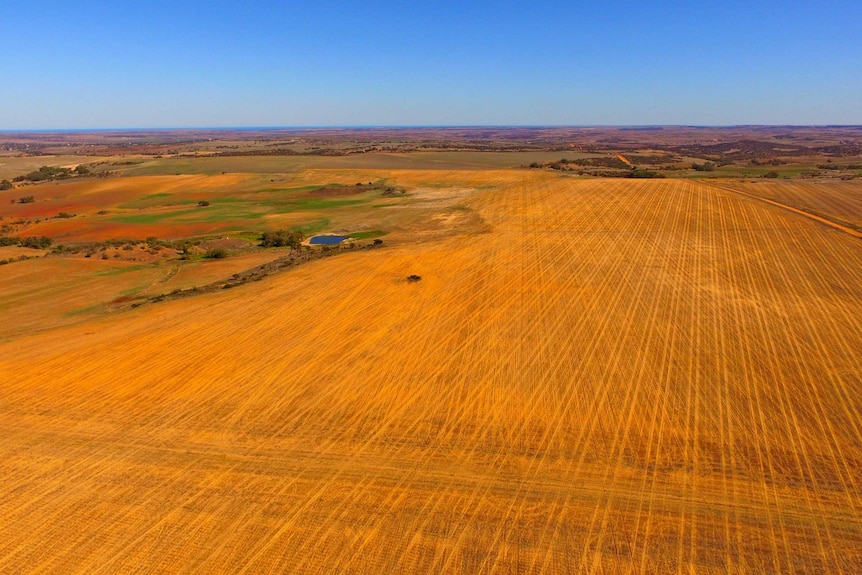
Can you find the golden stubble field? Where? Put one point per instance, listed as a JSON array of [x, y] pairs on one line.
[[614, 376]]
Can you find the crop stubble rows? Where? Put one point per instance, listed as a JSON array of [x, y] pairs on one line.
[[647, 376]]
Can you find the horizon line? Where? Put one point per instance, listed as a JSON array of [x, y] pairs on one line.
[[408, 126]]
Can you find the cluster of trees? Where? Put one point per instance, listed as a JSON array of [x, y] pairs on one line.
[[644, 174], [831, 166], [282, 239], [600, 162], [52, 173], [37, 243], [705, 167]]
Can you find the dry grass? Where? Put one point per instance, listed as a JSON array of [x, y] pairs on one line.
[[617, 376]]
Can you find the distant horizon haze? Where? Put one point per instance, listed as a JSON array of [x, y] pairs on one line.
[[215, 128]]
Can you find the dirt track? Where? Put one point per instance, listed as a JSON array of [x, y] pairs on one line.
[[618, 377]]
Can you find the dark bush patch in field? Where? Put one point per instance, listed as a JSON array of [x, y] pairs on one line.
[[36, 243], [215, 254], [281, 238], [644, 174], [45, 173], [705, 167]]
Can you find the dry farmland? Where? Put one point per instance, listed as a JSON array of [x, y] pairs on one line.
[[592, 376]]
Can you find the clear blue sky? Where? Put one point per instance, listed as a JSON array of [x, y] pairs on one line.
[[100, 64]]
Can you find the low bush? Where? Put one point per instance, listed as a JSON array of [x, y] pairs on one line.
[[36, 243], [45, 173], [281, 238]]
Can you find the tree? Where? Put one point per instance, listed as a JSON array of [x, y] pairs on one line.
[[281, 238], [6, 185], [36, 243], [705, 167]]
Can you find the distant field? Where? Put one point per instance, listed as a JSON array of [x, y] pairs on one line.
[[168, 206], [593, 375], [13, 166], [381, 160]]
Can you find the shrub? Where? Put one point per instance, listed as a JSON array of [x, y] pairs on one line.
[[705, 167], [26, 200], [770, 175], [281, 238], [215, 254], [6, 185], [203, 204], [45, 173], [36, 243], [644, 174]]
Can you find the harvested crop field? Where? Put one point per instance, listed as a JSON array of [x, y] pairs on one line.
[[611, 376], [840, 200]]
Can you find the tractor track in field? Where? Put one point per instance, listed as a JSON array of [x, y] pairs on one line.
[[622, 377], [832, 222]]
